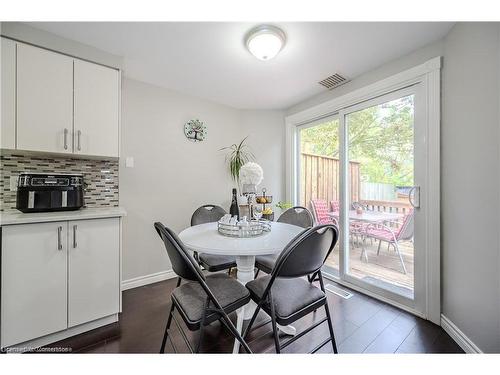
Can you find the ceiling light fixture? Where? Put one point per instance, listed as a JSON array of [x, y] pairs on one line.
[[265, 41]]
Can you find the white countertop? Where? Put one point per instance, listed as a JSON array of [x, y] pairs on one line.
[[17, 217]]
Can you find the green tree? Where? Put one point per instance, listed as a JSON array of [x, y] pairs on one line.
[[380, 138]]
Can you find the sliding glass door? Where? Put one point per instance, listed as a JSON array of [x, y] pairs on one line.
[[362, 168], [381, 140]]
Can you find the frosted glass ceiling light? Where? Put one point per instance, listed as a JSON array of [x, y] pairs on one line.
[[265, 41]]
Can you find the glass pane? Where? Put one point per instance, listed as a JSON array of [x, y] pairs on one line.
[[319, 177], [381, 157]]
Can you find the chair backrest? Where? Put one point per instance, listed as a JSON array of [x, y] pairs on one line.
[[320, 210], [298, 215], [208, 213], [406, 230], [306, 253], [183, 263], [335, 206], [356, 205]]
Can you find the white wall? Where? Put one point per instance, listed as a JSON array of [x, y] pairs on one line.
[[470, 182], [173, 176], [267, 138], [409, 61]]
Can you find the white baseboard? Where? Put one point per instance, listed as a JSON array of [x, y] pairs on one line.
[[58, 336], [147, 279], [460, 338]]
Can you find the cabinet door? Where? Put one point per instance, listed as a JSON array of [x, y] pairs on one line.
[[96, 109], [44, 100], [94, 269], [34, 281], [8, 79]]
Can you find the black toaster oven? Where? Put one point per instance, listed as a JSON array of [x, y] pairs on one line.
[[37, 192]]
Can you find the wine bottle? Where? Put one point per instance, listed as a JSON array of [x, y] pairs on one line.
[[234, 210]]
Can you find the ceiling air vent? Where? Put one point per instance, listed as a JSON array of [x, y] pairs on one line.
[[333, 81]]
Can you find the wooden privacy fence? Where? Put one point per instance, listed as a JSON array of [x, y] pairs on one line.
[[319, 178]]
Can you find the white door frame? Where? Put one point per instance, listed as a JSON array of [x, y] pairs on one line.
[[427, 76]]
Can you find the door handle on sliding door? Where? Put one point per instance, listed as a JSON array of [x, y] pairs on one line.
[[414, 196]]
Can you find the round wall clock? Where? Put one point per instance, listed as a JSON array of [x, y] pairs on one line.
[[195, 130]]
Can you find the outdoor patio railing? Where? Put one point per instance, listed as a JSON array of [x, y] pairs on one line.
[[387, 206]]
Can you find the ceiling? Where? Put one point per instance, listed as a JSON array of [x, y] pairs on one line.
[[209, 59]]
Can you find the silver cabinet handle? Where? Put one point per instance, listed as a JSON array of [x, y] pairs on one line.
[[79, 135], [59, 241], [65, 138], [75, 227]]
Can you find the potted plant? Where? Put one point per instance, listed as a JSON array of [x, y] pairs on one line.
[[238, 155], [284, 205]]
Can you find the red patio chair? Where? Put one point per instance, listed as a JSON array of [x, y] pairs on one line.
[[335, 206], [319, 208], [356, 228], [392, 236]]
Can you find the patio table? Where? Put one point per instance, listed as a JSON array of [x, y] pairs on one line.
[[370, 216]]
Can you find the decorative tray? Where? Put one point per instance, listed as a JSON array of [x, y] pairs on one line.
[[253, 229], [264, 199]]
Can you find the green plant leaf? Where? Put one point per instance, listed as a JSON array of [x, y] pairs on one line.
[[238, 155]]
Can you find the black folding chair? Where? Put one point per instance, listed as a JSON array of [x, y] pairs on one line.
[[202, 300], [210, 213], [285, 295], [299, 216]]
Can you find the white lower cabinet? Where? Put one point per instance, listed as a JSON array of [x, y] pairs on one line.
[[58, 275], [34, 279], [93, 281]]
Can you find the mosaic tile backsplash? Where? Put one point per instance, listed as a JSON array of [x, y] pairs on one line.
[[100, 176]]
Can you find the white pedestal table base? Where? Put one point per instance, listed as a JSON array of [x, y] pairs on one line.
[[246, 269]]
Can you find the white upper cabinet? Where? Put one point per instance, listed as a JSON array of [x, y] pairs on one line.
[[58, 104], [44, 100], [8, 84], [96, 105]]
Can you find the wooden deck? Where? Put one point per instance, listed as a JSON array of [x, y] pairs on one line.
[[385, 267]]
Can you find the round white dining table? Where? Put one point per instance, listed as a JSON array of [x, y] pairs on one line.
[[205, 238]]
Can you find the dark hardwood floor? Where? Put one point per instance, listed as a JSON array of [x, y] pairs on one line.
[[362, 325]]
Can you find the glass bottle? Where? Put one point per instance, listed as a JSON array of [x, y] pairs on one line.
[[234, 210]]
